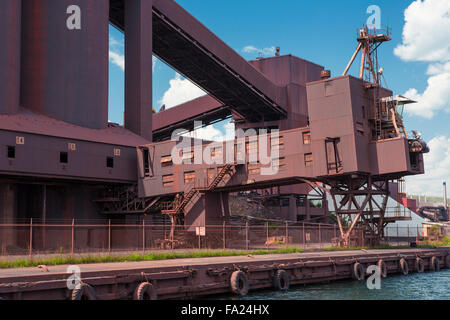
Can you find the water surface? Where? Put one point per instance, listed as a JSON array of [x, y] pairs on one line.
[[415, 286]]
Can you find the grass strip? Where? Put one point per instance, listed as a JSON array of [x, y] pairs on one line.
[[89, 259]]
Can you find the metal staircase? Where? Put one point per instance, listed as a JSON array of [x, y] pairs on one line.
[[124, 200], [388, 122], [177, 207], [225, 170]]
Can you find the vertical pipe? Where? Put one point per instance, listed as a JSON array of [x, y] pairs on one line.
[[31, 239]]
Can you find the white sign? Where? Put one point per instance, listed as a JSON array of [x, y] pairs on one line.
[[200, 231]]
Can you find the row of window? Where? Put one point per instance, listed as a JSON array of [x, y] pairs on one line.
[[189, 177], [250, 147], [168, 180], [63, 157], [301, 201]]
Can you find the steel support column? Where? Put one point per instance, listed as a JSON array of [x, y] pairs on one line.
[[138, 67], [10, 30]]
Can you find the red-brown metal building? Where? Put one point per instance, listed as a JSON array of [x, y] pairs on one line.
[[61, 156]]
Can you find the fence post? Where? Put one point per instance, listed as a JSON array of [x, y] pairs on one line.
[[224, 235], [362, 238], [143, 236], [31, 239], [246, 236], [287, 234], [303, 237], [109, 236], [320, 236], [73, 237], [408, 234]]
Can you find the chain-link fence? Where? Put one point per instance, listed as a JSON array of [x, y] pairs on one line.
[[109, 237]]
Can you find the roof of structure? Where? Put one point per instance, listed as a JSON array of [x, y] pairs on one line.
[[30, 122]]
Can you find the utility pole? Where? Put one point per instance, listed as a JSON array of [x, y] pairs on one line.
[[445, 197]]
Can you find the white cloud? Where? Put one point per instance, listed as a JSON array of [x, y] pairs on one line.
[[438, 68], [270, 51], [211, 133], [119, 60], [115, 43], [180, 91], [437, 169], [154, 62], [426, 32], [117, 57], [435, 98], [426, 37]]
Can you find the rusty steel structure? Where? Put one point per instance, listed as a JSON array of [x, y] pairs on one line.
[[62, 159]]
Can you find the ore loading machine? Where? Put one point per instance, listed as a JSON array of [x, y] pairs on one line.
[[341, 137]]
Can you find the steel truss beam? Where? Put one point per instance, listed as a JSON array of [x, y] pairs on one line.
[[362, 204]]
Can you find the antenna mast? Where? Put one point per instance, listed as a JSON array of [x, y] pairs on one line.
[[368, 43]]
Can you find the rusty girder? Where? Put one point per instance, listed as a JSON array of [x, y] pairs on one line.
[[354, 200]]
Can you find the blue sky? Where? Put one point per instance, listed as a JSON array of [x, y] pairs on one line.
[[325, 32]]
